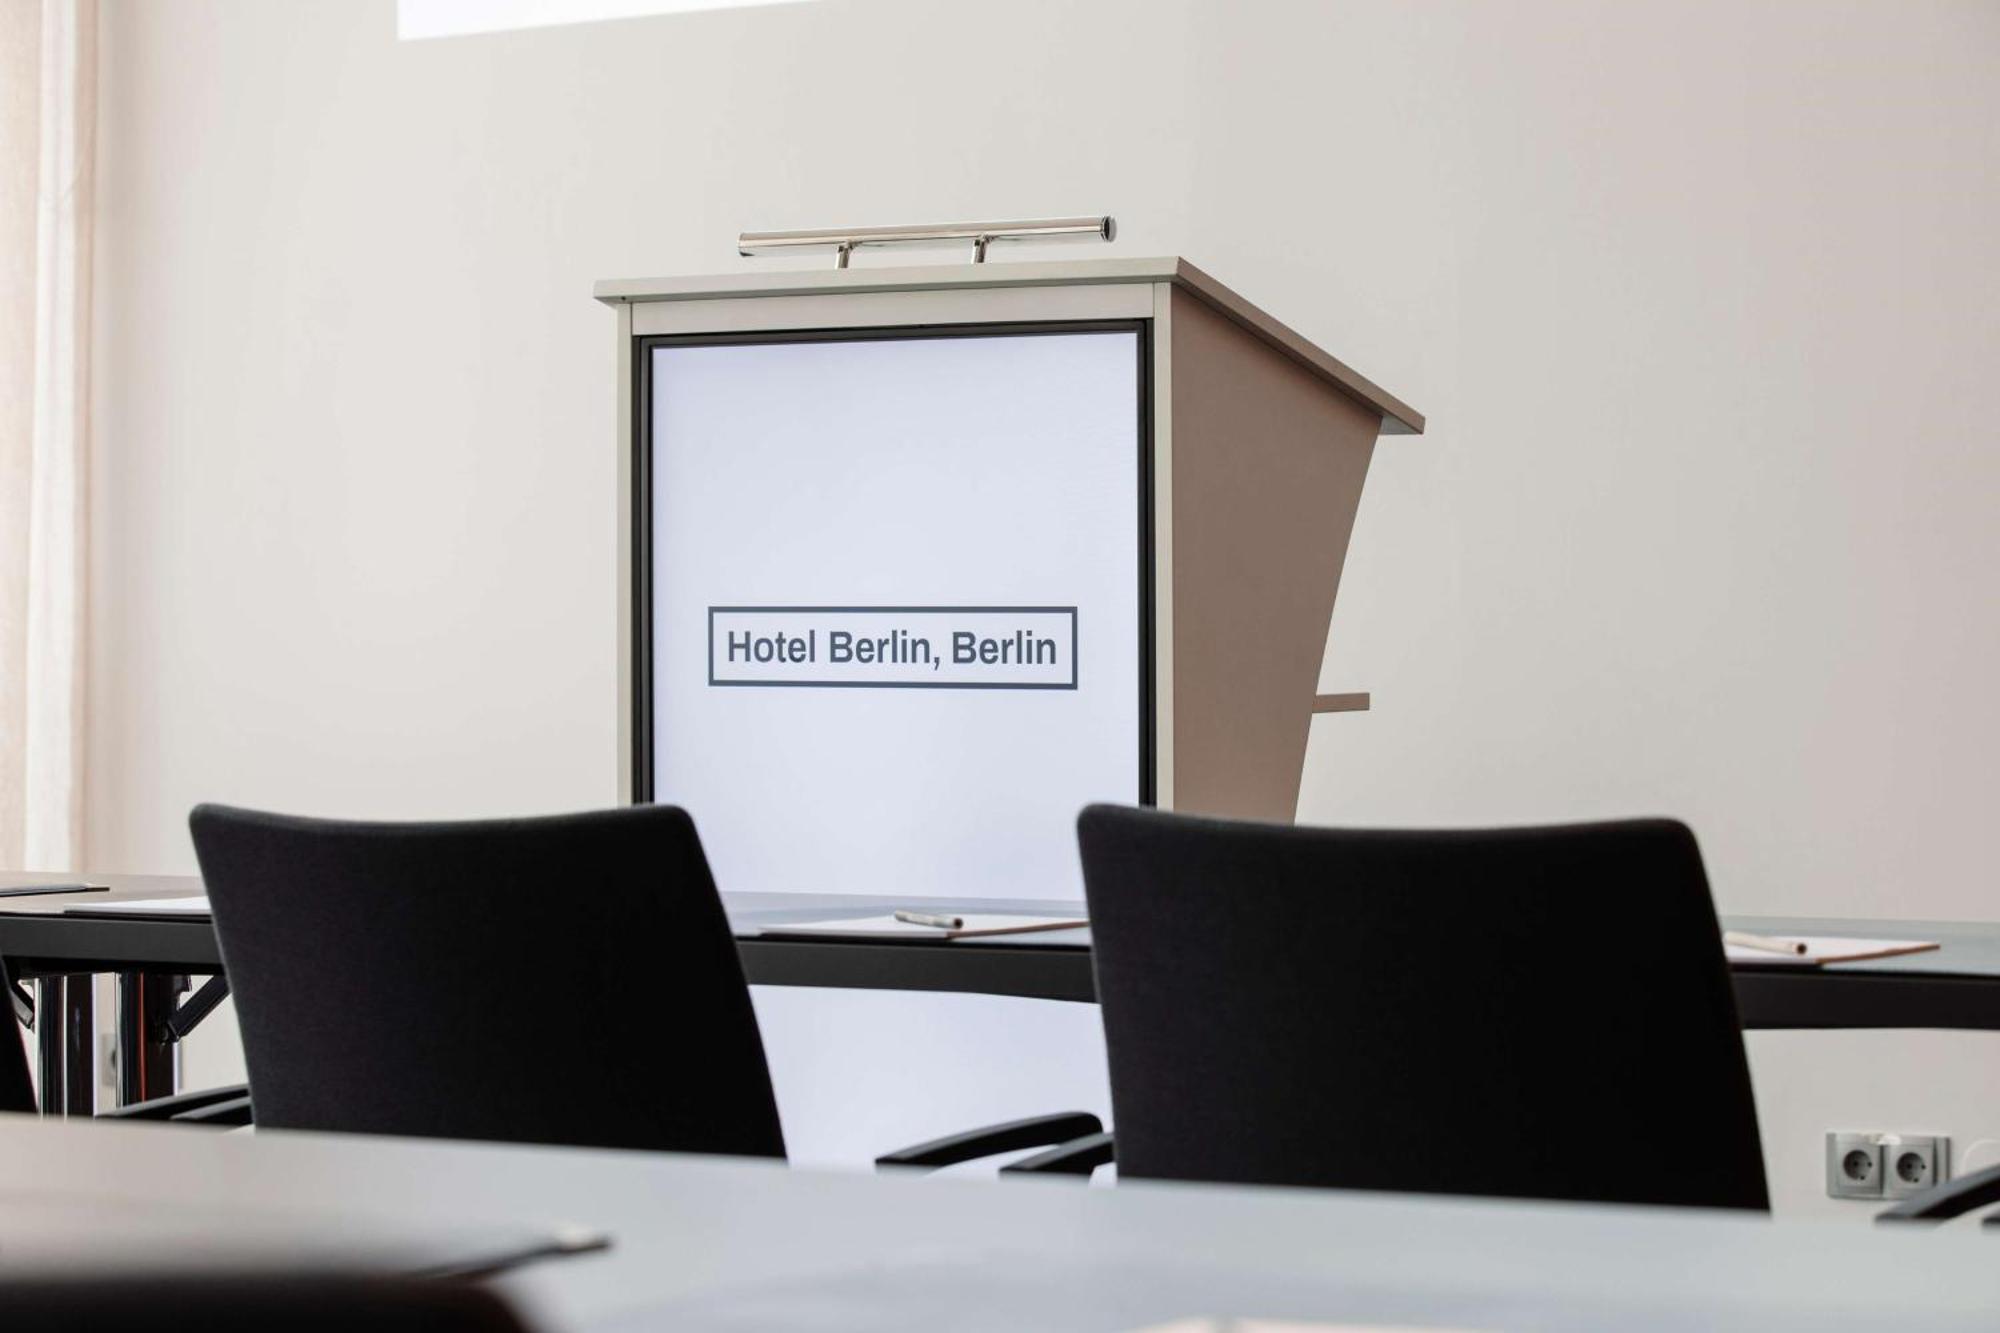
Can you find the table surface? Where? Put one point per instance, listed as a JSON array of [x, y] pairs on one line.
[[710, 1243], [1970, 948], [1955, 986]]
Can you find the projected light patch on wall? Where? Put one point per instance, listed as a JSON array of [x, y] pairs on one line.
[[418, 19], [895, 603]]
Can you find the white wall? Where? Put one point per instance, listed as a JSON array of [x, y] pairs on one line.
[[1699, 297]]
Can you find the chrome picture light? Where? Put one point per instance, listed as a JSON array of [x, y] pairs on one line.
[[844, 241]]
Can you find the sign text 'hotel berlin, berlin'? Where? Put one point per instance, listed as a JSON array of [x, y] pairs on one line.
[[894, 647]]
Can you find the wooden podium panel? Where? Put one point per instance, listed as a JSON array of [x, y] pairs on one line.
[[1268, 464], [1258, 443]]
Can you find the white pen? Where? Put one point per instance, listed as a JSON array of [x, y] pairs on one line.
[[926, 919], [1768, 943]]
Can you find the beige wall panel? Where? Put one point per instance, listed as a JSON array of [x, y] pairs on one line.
[[1268, 463]]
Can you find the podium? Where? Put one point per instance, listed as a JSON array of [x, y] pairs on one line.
[[1252, 448]]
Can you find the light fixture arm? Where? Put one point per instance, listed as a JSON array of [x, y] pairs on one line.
[[844, 241]]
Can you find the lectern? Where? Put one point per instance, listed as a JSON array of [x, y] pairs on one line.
[[914, 561]]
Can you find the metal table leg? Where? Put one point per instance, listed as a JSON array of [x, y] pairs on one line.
[[148, 1057], [65, 1032]]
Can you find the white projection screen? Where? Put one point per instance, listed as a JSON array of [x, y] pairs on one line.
[[891, 602]]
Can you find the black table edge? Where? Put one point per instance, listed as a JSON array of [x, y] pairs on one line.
[[1767, 998]]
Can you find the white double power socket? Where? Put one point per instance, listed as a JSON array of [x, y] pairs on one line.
[[1866, 1165]]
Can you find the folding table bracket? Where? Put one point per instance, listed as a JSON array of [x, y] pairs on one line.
[[188, 1014]]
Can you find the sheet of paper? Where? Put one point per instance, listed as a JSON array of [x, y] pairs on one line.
[[196, 906], [889, 928]]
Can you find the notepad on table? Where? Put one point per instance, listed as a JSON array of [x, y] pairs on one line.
[[1823, 949], [889, 928], [191, 906]]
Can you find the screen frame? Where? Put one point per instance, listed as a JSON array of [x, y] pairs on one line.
[[639, 552]]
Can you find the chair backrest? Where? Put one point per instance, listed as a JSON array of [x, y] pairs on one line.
[[17, 1091], [562, 980], [1539, 1012]]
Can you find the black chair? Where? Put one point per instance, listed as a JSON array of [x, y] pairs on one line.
[[1542, 1012], [17, 1090], [565, 980], [260, 1303], [561, 980]]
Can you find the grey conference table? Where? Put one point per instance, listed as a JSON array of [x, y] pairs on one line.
[[716, 1244], [1957, 986]]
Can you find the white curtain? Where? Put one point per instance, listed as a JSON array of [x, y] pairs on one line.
[[48, 95]]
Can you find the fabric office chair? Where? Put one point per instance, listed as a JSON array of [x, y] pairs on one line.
[[1541, 1012], [17, 1089], [562, 980], [162, 1303]]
